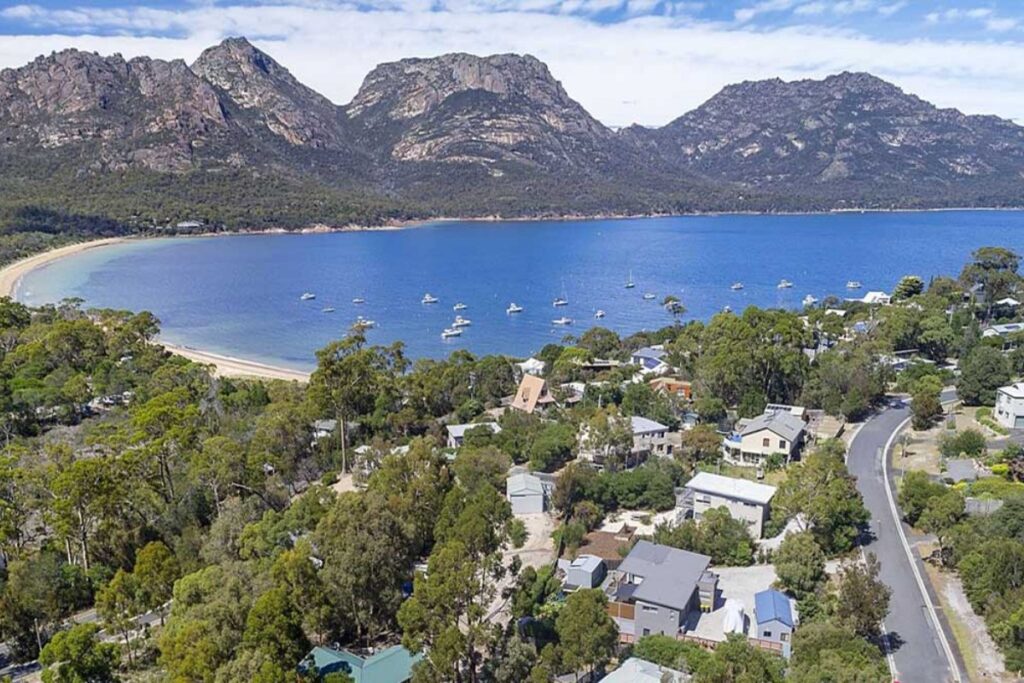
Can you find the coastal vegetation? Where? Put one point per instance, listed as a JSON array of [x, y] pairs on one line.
[[247, 521]]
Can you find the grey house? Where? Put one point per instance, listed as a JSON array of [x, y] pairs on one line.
[[586, 571], [774, 618], [655, 588], [525, 493]]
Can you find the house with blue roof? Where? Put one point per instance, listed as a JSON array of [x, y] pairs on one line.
[[651, 360], [773, 613], [391, 665]]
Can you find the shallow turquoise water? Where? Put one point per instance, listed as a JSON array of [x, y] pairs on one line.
[[240, 295]]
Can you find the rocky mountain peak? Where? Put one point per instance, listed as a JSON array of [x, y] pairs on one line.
[[255, 82]]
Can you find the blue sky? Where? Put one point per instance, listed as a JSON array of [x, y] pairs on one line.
[[627, 61]]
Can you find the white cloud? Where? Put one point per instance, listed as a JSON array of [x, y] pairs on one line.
[[646, 68]]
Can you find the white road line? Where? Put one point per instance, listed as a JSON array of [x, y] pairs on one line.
[[954, 669]]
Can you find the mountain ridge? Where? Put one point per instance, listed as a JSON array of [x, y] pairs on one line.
[[234, 139]]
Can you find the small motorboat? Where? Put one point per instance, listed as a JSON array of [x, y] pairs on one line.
[[307, 296], [451, 332], [514, 308], [853, 284], [599, 314], [327, 309], [429, 298], [461, 322], [736, 286], [459, 307], [562, 321], [784, 284], [727, 309], [810, 300], [648, 296], [560, 302], [359, 300], [362, 323]]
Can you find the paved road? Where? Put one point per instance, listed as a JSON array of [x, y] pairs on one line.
[[917, 651]]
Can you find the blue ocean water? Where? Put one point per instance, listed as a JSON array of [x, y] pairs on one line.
[[239, 295]]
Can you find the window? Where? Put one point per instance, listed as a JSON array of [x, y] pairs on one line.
[[782, 443], [766, 634], [784, 637], [647, 631], [766, 442], [648, 608], [706, 500]]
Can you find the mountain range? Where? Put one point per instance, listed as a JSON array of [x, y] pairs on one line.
[[235, 140]]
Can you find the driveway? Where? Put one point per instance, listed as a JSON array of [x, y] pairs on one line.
[[918, 653]]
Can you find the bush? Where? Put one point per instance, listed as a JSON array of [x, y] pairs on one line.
[[969, 442]]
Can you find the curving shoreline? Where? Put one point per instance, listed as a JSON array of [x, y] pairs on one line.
[[12, 274]]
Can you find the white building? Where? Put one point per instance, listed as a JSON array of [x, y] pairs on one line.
[[746, 500], [754, 441], [456, 433], [1009, 410], [531, 366], [525, 493], [649, 436]]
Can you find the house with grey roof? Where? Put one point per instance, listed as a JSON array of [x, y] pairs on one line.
[[651, 360], [752, 442], [655, 589], [649, 437], [1009, 408], [525, 493], [456, 433], [636, 670]]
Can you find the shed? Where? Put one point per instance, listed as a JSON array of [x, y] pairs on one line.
[[525, 492], [774, 618], [586, 571]]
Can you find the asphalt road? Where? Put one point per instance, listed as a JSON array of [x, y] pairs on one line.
[[917, 651]]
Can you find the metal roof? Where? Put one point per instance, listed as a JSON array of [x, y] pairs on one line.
[[731, 487], [641, 425], [524, 484], [785, 425], [458, 431], [771, 605], [670, 575]]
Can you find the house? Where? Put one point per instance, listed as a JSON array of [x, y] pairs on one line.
[[874, 299], [754, 441], [774, 618], [525, 492], [391, 665], [649, 437], [672, 387], [586, 571], [323, 429], [746, 500], [651, 360], [1009, 409], [636, 670], [531, 366], [456, 433], [656, 588], [1008, 302], [533, 395]]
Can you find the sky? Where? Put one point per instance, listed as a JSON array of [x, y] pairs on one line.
[[626, 61]]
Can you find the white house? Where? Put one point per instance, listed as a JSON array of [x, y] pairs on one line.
[[747, 501], [1009, 410], [531, 366], [525, 493], [753, 441], [651, 360], [649, 436], [456, 433], [874, 299]]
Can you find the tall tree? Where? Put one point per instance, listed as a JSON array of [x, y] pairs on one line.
[[587, 635], [863, 600]]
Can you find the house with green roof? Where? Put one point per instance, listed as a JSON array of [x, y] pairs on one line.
[[391, 665]]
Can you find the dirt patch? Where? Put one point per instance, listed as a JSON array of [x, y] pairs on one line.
[[981, 656]]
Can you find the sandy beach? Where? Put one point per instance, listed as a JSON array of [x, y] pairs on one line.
[[12, 274], [228, 366], [225, 366]]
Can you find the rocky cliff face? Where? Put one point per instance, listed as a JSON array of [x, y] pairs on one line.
[[852, 130], [259, 85], [460, 108], [237, 139]]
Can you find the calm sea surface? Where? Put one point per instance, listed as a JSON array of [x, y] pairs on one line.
[[240, 295]]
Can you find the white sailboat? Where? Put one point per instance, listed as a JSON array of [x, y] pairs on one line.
[[429, 298], [461, 322], [562, 321], [629, 283], [648, 296], [307, 296], [784, 284], [514, 308], [736, 286], [599, 314], [451, 332], [459, 307], [359, 300]]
